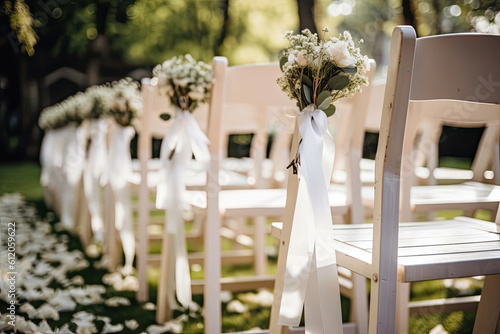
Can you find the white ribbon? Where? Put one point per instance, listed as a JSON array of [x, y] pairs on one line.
[[73, 159], [47, 162], [119, 170], [311, 271], [183, 140], [94, 175]]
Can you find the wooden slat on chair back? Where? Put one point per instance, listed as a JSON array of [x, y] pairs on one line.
[[474, 76]]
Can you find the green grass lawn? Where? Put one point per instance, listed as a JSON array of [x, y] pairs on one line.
[[23, 178]]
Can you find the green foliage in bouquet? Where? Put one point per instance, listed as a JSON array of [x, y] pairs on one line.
[[185, 81], [319, 72]]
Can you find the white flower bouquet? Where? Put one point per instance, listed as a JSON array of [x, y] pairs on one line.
[[319, 72], [126, 105], [102, 99], [122, 100], [74, 109], [187, 82]]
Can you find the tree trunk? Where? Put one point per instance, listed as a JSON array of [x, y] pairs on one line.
[[225, 24], [306, 15], [409, 16]]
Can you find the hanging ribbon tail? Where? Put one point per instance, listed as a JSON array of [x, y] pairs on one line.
[[311, 270], [120, 168], [183, 140], [95, 174]]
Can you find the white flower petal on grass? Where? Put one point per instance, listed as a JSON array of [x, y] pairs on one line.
[[42, 268], [149, 306], [86, 328], [44, 327], [29, 309], [130, 283], [83, 316], [439, 329], [226, 296], [109, 328], [77, 280], [170, 326], [62, 301], [236, 306], [47, 311], [24, 326], [112, 278], [131, 324], [117, 301], [64, 330], [30, 294]]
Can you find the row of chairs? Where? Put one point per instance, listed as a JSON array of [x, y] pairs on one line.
[[246, 98]]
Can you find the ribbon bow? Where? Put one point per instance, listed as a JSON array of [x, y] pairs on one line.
[[311, 277], [183, 140]]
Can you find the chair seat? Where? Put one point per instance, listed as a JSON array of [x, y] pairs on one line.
[[262, 202], [457, 196], [427, 250]]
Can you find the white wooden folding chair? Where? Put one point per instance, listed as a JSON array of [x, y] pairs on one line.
[[431, 81], [388, 251], [146, 175]]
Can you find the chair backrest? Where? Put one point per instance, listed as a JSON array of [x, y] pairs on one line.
[[251, 102], [449, 67], [461, 95]]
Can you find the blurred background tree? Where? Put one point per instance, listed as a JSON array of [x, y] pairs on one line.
[[52, 48]]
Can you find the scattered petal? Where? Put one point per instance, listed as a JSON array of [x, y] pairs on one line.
[[108, 328], [131, 324], [235, 306], [117, 301]]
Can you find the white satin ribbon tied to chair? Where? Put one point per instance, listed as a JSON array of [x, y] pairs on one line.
[[183, 140], [120, 168], [311, 271], [73, 160], [95, 174]]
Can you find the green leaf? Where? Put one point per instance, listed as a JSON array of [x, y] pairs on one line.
[[307, 93], [283, 61], [307, 81], [324, 99], [324, 105], [165, 117], [338, 82], [350, 70], [330, 110]]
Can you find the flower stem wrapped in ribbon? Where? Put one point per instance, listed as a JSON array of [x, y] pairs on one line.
[[188, 83], [315, 73]]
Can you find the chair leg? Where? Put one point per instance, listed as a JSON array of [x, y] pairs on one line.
[[164, 288], [274, 328], [359, 303], [259, 245], [488, 311], [402, 310]]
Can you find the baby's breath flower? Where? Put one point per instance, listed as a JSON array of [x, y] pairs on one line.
[[309, 61], [187, 82]]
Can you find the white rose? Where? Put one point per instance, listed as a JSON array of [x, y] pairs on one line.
[[301, 59], [292, 58], [340, 54]]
